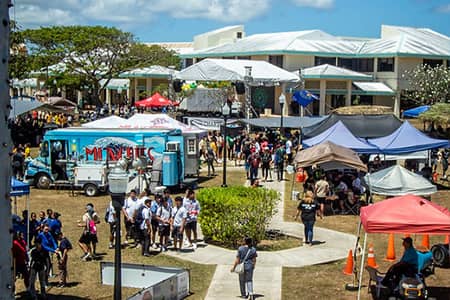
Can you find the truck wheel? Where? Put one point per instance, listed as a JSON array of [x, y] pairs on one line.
[[42, 181], [90, 190]]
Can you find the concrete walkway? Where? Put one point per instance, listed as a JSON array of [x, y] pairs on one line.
[[329, 246]]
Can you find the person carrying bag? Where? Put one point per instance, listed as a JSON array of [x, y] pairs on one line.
[[244, 265]]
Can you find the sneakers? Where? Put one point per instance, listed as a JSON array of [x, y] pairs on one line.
[[86, 257], [61, 285], [111, 246], [146, 254], [154, 246], [125, 242], [194, 246]]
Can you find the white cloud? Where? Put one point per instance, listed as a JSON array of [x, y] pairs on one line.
[[32, 13], [444, 9], [319, 4]]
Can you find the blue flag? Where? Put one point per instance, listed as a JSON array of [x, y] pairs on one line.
[[304, 98]]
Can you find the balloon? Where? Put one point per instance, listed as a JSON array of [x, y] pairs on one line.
[[193, 85]]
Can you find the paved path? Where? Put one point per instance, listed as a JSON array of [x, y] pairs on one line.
[[330, 246]]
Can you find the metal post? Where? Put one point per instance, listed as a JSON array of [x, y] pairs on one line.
[[117, 201], [224, 173], [281, 122]]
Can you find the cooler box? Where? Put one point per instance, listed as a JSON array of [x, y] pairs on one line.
[[170, 169]]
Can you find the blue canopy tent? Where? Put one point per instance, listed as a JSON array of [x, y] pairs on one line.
[[407, 139], [416, 111], [19, 188], [341, 135]]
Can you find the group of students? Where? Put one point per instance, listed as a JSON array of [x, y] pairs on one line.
[[46, 241], [145, 218]]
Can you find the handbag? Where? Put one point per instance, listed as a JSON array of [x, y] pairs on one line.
[[239, 269]]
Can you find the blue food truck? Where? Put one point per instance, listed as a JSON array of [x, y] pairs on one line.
[[82, 156]]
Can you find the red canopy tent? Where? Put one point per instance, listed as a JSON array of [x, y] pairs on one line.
[[403, 214], [406, 214], [156, 100]]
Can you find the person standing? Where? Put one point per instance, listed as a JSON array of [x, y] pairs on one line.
[[289, 150], [163, 216], [321, 189], [254, 161], [129, 208], [111, 220], [38, 268], [279, 161], [178, 223], [266, 159], [210, 157], [193, 209], [20, 257], [49, 246], [63, 248], [146, 227], [246, 254], [156, 203], [308, 208]]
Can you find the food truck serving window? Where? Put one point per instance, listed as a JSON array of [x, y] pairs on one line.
[[191, 146]]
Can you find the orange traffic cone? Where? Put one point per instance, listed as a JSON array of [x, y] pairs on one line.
[[348, 270], [390, 254], [371, 258], [426, 241], [447, 239]]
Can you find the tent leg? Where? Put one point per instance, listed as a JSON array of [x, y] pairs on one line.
[[362, 266], [354, 286], [28, 221]]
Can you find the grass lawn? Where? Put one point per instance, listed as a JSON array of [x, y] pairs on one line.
[[327, 281]]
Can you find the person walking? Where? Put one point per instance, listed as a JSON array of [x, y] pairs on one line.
[[308, 208], [63, 248], [321, 189], [246, 254], [38, 268], [20, 257], [279, 161], [89, 235], [266, 159]]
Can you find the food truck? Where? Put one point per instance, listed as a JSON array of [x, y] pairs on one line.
[[83, 156]]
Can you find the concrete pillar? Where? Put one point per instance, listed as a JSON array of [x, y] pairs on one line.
[[348, 98], [63, 92], [397, 104], [108, 98], [136, 92], [148, 86], [323, 94], [79, 98]]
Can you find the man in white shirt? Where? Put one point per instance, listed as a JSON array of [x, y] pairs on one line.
[[163, 215], [146, 227], [193, 209], [289, 150], [129, 208], [179, 215]]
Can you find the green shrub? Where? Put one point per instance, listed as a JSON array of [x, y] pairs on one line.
[[229, 214]]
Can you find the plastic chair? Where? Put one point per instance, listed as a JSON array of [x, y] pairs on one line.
[[377, 277]]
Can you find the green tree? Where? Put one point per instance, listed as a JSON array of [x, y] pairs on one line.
[[19, 62], [428, 85]]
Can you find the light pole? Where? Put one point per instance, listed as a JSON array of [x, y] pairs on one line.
[[282, 100], [118, 180], [226, 113]]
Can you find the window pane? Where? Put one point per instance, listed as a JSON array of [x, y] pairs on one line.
[[320, 60], [346, 63], [433, 62], [276, 60], [386, 64]]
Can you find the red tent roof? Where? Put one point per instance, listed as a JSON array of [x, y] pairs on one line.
[[406, 214], [154, 101]]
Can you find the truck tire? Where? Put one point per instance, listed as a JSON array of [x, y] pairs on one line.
[[90, 190], [42, 181]]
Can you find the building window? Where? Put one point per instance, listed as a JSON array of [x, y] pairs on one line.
[[191, 147], [433, 62], [228, 57], [356, 64], [244, 57], [188, 62], [276, 60], [320, 60], [239, 35], [386, 64]]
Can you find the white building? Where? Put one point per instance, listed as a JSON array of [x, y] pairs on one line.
[[337, 68]]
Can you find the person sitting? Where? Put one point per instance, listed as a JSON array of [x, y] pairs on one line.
[[407, 266]]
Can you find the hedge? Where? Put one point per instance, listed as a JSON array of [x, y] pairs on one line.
[[229, 214]]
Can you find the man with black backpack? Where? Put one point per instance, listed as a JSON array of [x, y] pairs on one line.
[[143, 220]]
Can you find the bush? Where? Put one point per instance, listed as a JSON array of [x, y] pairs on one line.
[[229, 214]]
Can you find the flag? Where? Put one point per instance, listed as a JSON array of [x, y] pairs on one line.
[[304, 98]]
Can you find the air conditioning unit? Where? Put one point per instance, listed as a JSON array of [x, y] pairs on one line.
[[173, 146]]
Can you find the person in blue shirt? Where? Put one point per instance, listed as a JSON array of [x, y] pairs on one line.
[[49, 245]]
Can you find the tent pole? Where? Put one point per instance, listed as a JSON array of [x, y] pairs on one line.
[[28, 221], [15, 205], [362, 266]]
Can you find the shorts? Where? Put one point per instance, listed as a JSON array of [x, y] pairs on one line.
[[154, 224], [112, 228], [191, 225], [321, 200], [87, 238], [164, 230], [177, 233]]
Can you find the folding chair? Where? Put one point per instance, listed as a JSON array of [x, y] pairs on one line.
[[377, 277], [352, 204]]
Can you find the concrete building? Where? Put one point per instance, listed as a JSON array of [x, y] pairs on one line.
[[342, 70]]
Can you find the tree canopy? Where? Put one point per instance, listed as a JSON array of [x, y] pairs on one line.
[[428, 85], [90, 53]]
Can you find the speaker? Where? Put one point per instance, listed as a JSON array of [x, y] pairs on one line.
[[177, 84], [240, 87]]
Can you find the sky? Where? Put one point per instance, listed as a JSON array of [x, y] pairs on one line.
[[181, 20]]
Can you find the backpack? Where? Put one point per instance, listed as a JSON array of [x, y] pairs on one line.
[[92, 227], [139, 218], [107, 212]]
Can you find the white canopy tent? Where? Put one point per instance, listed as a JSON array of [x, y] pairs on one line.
[[262, 72], [108, 122]]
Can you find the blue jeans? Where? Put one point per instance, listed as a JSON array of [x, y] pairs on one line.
[[308, 231]]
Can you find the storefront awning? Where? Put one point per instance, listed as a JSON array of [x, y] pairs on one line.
[[374, 88]]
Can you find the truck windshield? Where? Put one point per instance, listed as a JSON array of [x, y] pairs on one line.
[[43, 151]]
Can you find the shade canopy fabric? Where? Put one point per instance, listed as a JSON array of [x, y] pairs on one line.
[[19, 107], [375, 88], [19, 188], [235, 70], [288, 121], [407, 139], [59, 101], [406, 214], [157, 121], [327, 71], [416, 111], [340, 135], [149, 72], [363, 126], [108, 122], [396, 181], [329, 156], [115, 84], [156, 100]]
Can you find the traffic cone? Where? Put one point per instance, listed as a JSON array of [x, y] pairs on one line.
[[426, 241], [390, 254], [371, 258], [348, 270], [447, 238]]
